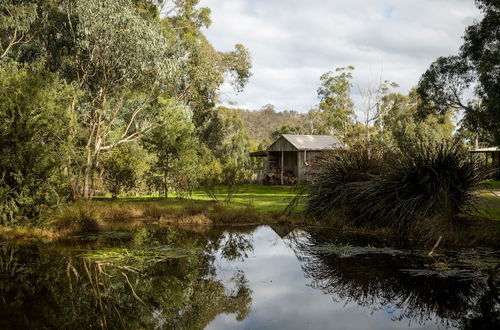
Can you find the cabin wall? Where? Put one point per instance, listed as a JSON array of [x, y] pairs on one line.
[[303, 168], [281, 145], [290, 162]]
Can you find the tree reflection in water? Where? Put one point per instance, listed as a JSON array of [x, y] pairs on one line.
[[51, 287], [383, 282], [54, 286]]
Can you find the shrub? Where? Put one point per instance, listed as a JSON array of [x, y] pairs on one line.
[[397, 189], [34, 123]]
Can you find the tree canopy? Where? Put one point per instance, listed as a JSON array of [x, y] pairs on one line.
[[448, 82]]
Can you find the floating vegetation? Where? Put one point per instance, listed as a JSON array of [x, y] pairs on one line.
[[106, 235], [125, 256], [469, 263], [347, 250]]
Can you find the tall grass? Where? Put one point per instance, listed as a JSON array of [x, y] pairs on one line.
[[397, 189]]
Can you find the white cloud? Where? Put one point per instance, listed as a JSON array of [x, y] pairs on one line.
[[293, 42]]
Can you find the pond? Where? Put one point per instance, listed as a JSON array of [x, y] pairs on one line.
[[263, 277]]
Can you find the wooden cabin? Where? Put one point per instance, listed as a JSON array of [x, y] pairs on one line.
[[289, 157]]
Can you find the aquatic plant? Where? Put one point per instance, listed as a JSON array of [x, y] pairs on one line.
[[346, 250], [134, 256]]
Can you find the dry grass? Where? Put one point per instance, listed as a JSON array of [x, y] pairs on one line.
[[94, 216], [78, 217], [30, 234]]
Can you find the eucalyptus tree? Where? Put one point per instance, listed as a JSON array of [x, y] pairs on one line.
[[233, 151], [373, 110], [401, 126], [121, 57], [123, 64], [336, 106], [205, 69], [16, 20], [448, 83]]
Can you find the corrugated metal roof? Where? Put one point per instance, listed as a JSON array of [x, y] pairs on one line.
[[313, 142]]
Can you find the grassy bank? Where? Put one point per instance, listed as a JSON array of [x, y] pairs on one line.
[[267, 199], [252, 204]]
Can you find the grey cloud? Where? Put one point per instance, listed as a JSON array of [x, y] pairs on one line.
[[293, 42]]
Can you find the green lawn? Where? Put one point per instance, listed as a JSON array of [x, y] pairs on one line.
[[491, 200], [276, 198], [494, 184], [260, 197]]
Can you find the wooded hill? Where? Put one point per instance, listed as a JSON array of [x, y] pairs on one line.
[[261, 124]]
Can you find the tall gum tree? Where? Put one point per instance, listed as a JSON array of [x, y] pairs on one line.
[[122, 63], [448, 83], [127, 59], [336, 106]]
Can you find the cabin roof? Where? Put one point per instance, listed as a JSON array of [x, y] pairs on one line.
[[313, 142]]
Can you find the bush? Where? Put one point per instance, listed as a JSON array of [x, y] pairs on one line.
[[35, 122], [397, 189]]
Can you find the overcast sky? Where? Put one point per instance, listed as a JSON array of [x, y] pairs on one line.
[[292, 42]]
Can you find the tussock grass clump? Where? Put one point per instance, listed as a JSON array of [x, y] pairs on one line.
[[397, 189], [339, 178], [78, 217]]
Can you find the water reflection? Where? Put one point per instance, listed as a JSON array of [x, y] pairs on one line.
[[407, 285], [51, 287], [236, 278]]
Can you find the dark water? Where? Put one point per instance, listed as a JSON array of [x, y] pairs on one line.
[[243, 278]]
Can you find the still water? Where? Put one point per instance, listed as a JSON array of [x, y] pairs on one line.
[[243, 278]]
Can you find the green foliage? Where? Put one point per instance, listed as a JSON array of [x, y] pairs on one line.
[[16, 19], [336, 107], [232, 152], [400, 126], [210, 173], [35, 123], [397, 189], [174, 146], [204, 69], [444, 86], [123, 168]]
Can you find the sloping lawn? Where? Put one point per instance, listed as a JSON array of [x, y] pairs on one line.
[[490, 200], [259, 197]]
